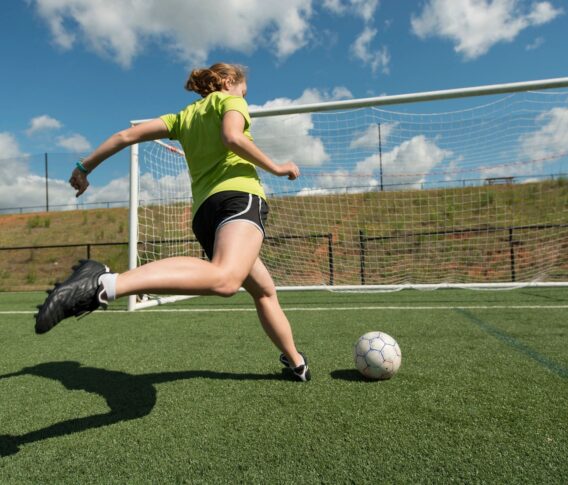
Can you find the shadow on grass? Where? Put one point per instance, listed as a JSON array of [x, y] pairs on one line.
[[353, 375], [128, 396], [349, 375]]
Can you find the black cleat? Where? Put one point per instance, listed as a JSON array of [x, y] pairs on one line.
[[302, 372], [77, 295]]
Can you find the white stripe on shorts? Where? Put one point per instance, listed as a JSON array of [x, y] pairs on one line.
[[260, 213], [230, 219]]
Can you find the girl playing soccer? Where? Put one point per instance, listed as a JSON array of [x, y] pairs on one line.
[[229, 212]]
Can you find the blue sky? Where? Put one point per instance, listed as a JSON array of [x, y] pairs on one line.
[[75, 71]]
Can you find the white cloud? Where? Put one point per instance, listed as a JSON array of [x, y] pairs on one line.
[[339, 182], [74, 143], [542, 13], [341, 92], [338, 7], [293, 29], [377, 59], [18, 186], [41, 123], [120, 29], [361, 8], [312, 95], [9, 147], [369, 139], [158, 180], [178, 185], [550, 140], [365, 8], [452, 168], [290, 137], [407, 163], [13, 165], [475, 26], [538, 42], [116, 190], [28, 190]]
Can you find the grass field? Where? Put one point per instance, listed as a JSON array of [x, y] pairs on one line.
[[193, 393]]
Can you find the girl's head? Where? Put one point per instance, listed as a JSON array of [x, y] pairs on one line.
[[218, 77]]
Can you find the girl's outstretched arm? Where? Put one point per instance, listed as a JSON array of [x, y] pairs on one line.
[[150, 130]]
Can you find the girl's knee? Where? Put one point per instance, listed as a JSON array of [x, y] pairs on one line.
[[227, 288], [264, 293], [227, 284]]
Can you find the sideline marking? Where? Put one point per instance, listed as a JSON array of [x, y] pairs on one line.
[[320, 309], [515, 344]]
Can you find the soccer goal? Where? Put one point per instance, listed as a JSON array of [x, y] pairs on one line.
[[463, 188]]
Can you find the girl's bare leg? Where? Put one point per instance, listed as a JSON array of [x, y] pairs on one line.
[[236, 250], [275, 323], [235, 263]]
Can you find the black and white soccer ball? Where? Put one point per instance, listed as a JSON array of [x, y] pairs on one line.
[[377, 355]]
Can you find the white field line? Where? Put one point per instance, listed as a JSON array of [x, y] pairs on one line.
[[323, 309]]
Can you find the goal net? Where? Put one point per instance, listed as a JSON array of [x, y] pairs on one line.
[[443, 189]]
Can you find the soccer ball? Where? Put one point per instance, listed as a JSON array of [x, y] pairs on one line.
[[377, 355]]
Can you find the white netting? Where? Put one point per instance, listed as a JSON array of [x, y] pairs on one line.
[[164, 209], [477, 194]]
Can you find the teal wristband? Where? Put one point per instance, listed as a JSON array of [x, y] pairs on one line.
[[81, 167]]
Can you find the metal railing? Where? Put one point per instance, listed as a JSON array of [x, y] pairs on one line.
[[508, 230], [510, 238]]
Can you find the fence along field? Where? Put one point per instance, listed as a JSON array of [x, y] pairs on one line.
[[376, 237]]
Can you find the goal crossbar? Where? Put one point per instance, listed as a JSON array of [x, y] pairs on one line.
[[485, 90]]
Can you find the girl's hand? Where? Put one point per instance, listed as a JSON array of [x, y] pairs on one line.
[[79, 181], [290, 169]]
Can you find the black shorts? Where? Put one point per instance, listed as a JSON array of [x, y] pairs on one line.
[[225, 207]]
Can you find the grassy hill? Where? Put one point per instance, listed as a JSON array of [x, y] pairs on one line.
[[401, 231], [29, 269]]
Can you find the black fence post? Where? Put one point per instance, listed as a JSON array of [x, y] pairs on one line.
[[330, 257], [88, 251], [46, 184], [362, 255], [380, 158], [512, 254]]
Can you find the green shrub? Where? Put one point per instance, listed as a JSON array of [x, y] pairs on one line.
[[31, 276], [37, 221]]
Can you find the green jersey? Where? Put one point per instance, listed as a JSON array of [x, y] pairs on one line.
[[212, 166]]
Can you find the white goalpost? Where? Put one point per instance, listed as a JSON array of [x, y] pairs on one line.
[[463, 188]]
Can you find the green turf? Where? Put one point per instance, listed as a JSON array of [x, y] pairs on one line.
[[199, 397]]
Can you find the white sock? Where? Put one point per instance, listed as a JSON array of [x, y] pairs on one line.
[[303, 362], [108, 280]]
